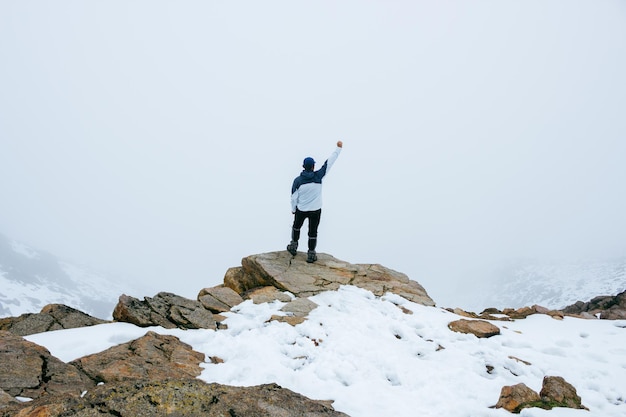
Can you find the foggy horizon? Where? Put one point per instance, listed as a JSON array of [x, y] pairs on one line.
[[158, 141]]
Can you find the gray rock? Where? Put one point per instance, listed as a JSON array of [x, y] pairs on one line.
[[166, 310], [219, 299], [607, 307], [175, 398], [51, 317], [297, 309], [300, 307], [294, 274]]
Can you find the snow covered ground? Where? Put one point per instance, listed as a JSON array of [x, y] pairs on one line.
[[372, 359]]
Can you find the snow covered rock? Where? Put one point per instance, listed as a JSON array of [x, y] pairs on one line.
[[152, 356], [478, 328], [295, 275], [608, 307], [29, 370], [189, 397], [487, 314], [52, 317], [297, 311], [523, 312], [164, 309], [299, 307]]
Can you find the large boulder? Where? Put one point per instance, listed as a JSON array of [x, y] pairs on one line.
[[51, 317], [187, 397], [294, 274], [29, 370], [479, 328], [164, 309], [152, 356], [297, 311]]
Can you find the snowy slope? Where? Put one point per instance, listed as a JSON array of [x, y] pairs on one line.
[[374, 360], [556, 284], [30, 279]]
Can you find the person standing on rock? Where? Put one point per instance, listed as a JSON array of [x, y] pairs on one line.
[[306, 202]]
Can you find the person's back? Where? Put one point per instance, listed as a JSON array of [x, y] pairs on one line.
[[306, 201]]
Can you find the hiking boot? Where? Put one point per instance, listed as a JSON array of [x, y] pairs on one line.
[[311, 256], [292, 247]]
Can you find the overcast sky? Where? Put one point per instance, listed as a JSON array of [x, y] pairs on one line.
[[158, 140]]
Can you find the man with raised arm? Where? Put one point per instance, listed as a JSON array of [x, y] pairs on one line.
[[306, 201]]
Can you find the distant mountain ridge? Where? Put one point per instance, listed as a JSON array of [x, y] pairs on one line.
[[555, 285], [31, 279]]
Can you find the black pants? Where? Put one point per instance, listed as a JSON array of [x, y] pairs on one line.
[[314, 222]]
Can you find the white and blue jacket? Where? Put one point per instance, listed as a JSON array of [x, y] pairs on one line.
[[306, 191]]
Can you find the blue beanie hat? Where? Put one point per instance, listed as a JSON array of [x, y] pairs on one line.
[[308, 163]]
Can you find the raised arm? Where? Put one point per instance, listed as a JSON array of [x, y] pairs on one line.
[[332, 158]]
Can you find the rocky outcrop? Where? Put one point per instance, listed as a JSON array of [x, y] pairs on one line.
[[190, 398], [605, 307], [295, 275], [51, 317], [166, 310], [555, 392], [152, 356], [29, 370], [478, 328], [508, 314], [219, 299], [489, 314]]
